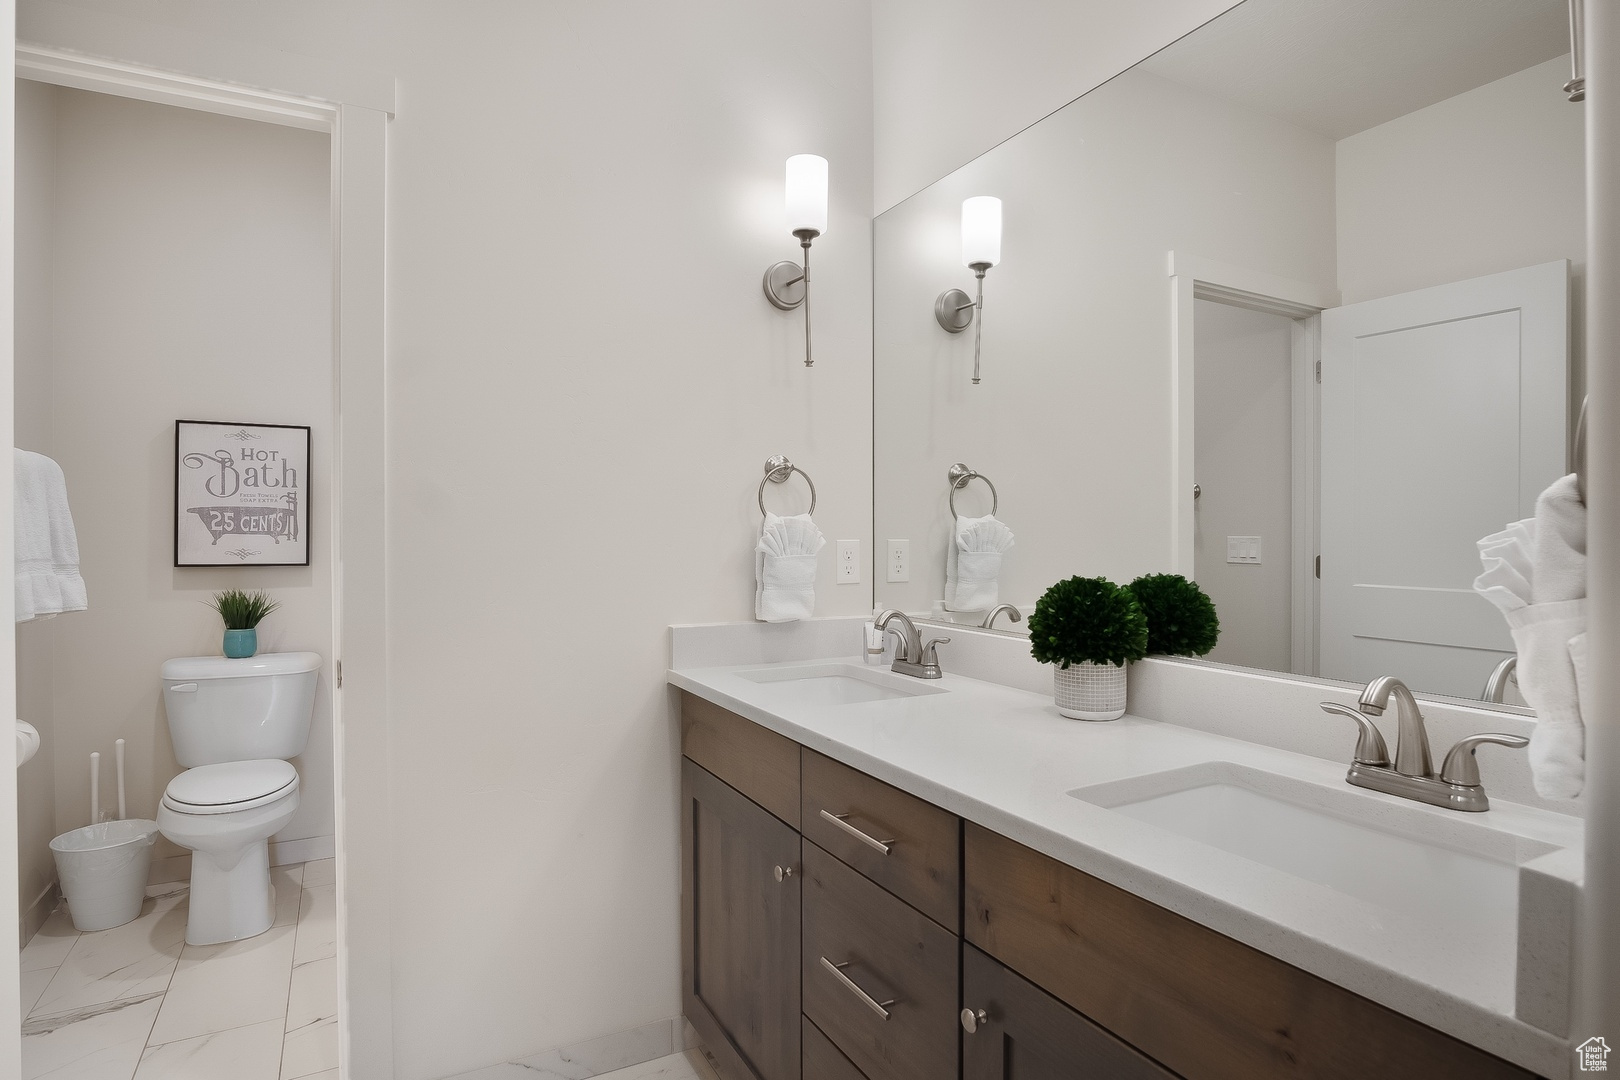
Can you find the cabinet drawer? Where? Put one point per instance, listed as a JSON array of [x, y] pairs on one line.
[[879, 978], [753, 759], [823, 1060], [1027, 1034], [1207, 1006], [856, 817]]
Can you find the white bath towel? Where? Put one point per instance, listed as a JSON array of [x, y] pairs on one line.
[[48, 581], [1535, 573], [973, 563], [785, 568]]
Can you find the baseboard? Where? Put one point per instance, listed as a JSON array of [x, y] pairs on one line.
[[33, 915], [282, 853]]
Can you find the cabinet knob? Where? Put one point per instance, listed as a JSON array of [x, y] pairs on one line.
[[972, 1018], [783, 873]]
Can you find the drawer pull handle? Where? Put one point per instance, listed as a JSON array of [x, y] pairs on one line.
[[783, 873], [879, 1007], [870, 841], [972, 1018]]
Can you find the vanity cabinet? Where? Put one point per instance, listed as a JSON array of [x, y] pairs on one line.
[[893, 918]]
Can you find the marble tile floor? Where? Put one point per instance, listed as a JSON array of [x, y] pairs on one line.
[[137, 1003], [690, 1064]]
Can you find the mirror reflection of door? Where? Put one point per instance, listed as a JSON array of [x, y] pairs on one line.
[[1243, 516]]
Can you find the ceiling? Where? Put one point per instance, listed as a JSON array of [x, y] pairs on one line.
[[1337, 67]]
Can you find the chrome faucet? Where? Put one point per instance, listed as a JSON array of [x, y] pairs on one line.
[[1457, 786], [1496, 686], [1012, 613], [913, 657]]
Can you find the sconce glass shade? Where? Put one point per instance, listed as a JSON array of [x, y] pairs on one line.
[[807, 194], [981, 231]]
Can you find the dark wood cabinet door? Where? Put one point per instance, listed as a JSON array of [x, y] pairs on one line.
[[1020, 1032], [740, 902]]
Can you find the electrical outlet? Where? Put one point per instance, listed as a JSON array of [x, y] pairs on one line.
[[1243, 549], [899, 560], [849, 562]]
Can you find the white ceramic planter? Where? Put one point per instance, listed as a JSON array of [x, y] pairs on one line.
[[1087, 691]]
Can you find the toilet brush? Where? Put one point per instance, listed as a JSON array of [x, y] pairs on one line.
[[118, 752], [95, 787]]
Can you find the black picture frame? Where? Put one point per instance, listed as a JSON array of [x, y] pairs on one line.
[[225, 486]]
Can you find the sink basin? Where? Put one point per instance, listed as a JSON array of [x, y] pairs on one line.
[[841, 684], [1459, 879]]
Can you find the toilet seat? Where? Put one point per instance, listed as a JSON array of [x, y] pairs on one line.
[[230, 786]]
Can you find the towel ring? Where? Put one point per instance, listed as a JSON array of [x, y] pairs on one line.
[[1580, 452], [958, 476], [777, 470]]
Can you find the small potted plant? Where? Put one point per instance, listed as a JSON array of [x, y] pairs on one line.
[[1088, 629], [242, 612], [1180, 616]]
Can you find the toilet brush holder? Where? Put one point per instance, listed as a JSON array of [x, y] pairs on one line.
[[241, 644]]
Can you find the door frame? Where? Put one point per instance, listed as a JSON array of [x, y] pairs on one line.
[[358, 135], [1194, 278]]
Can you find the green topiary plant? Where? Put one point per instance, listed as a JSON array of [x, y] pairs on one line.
[[1087, 620], [1180, 616], [243, 610]]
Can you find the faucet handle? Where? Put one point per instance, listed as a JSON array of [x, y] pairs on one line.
[[1460, 765], [928, 654], [1370, 747]]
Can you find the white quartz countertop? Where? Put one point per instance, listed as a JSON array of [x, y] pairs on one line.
[[1005, 759]]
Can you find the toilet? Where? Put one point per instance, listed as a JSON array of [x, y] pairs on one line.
[[234, 724]]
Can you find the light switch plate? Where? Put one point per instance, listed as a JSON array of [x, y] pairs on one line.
[[849, 562], [1243, 549], [899, 560]]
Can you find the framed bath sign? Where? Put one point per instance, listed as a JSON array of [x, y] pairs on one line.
[[241, 494]]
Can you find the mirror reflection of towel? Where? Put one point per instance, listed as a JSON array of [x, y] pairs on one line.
[[973, 563], [1535, 573], [48, 581]]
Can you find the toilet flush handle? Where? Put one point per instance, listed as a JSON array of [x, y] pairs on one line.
[[184, 688]]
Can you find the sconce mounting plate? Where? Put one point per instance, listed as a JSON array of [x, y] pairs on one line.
[[784, 284], [954, 310]]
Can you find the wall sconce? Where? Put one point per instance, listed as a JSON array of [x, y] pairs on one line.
[[787, 285], [981, 249]]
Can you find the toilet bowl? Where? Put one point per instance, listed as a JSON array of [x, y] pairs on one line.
[[226, 815], [234, 723]]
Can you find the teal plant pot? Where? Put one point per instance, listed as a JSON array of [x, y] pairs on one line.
[[241, 644]]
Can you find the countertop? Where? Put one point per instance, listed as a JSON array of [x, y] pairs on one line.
[[1005, 759]]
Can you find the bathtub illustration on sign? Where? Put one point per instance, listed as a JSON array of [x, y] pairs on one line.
[[275, 522]]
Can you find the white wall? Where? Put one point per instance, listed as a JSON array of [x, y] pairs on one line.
[[953, 78], [1486, 181], [1072, 419], [1243, 393], [191, 279], [31, 335]]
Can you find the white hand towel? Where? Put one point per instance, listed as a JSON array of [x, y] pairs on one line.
[[1535, 573], [973, 563], [785, 568], [48, 581]]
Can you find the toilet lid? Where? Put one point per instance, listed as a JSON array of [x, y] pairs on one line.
[[230, 786]]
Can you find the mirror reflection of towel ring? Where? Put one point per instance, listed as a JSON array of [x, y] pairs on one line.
[[958, 476], [777, 471]]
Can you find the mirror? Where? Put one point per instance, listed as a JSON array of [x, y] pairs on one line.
[[1391, 188]]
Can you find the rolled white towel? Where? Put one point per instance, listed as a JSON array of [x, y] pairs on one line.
[[973, 563], [27, 741], [785, 568]]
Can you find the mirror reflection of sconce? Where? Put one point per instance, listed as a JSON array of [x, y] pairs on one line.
[[981, 249], [787, 284]]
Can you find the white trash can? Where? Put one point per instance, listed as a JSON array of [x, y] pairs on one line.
[[103, 871]]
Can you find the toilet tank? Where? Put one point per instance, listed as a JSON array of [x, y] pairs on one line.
[[237, 710]]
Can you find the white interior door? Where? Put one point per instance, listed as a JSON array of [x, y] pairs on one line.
[[1444, 415]]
